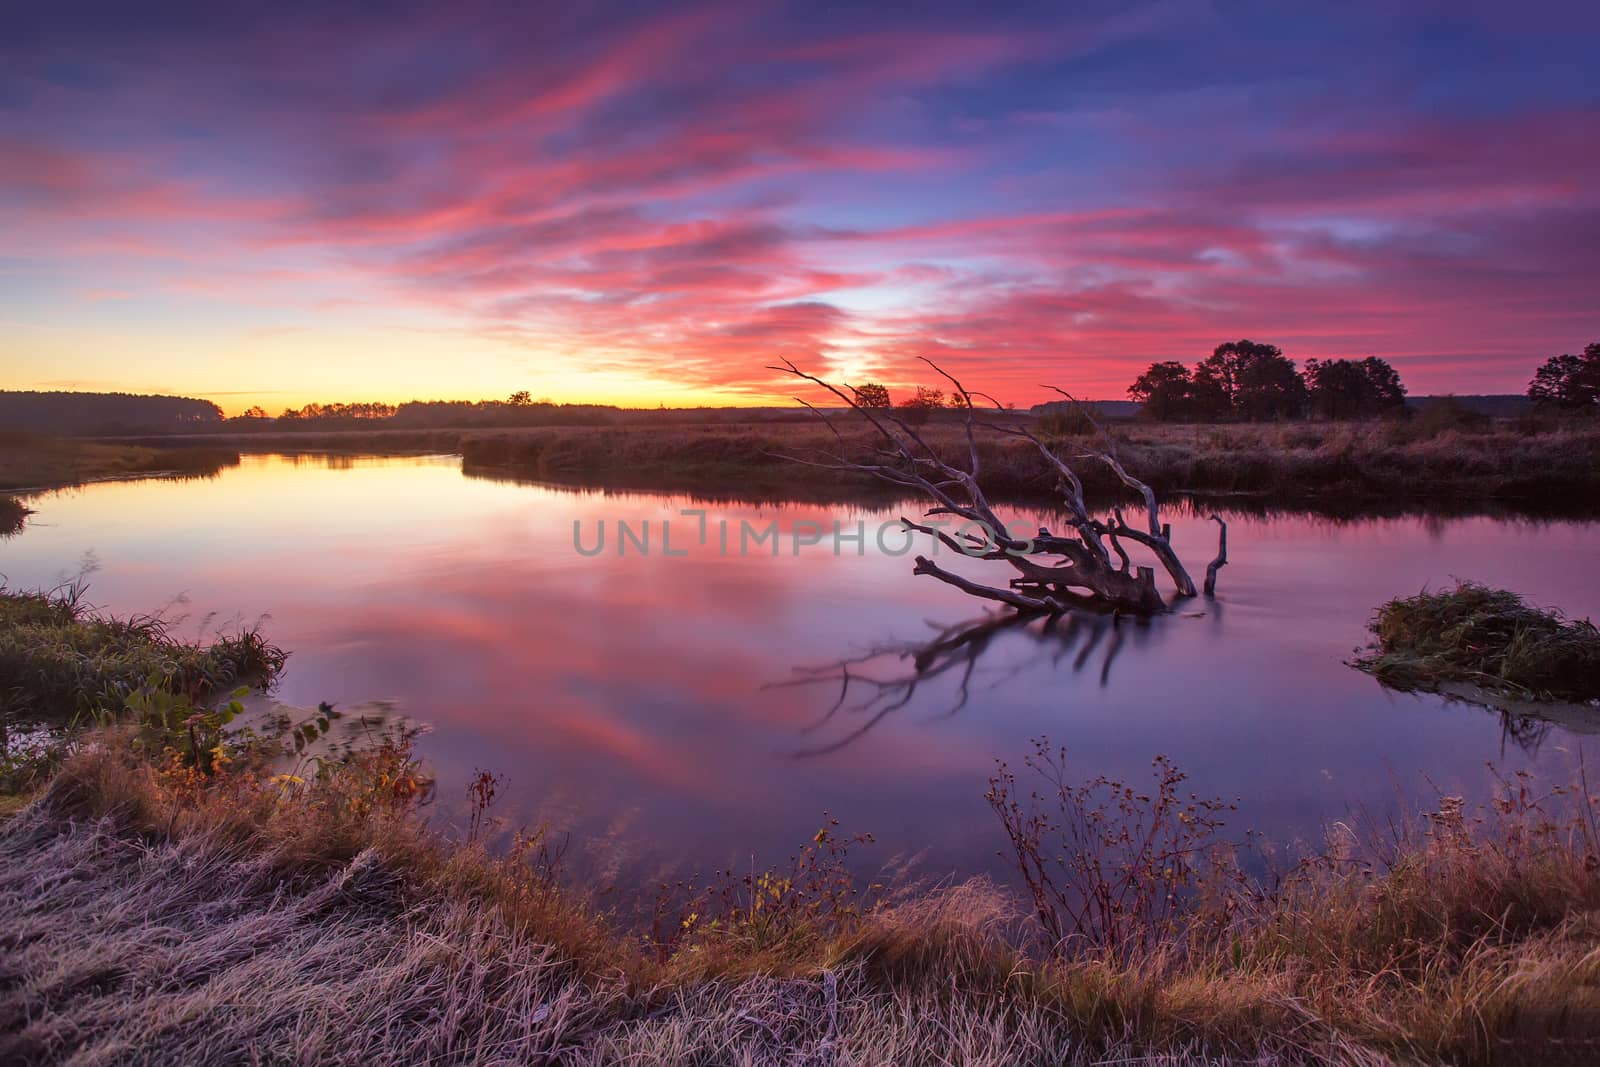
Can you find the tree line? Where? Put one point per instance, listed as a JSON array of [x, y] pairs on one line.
[[104, 413], [1239, 380], [1252, 381], [519, 409], [1249, 381], [1245, 380]]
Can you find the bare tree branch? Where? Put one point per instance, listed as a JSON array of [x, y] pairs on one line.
[[1222, 555], [1088, 573]]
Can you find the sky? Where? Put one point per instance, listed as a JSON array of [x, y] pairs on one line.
[[648, 204]]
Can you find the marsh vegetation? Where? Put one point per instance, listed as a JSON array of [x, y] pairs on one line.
[[13, 515], [1443, 456], [1489, 638], [60, 659], [247, 908], [30, 461]]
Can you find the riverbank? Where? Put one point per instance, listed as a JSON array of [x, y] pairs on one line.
[[31, 462], [1440, 458], [168, 899]]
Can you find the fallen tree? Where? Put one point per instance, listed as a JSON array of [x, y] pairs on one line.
[[1090, 567]]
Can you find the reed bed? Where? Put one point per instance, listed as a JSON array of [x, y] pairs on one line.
[[33, 461], [1443, 456], [1534, 464]]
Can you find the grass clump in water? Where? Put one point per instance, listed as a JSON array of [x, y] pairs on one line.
[[12, 515], [1492, 638]]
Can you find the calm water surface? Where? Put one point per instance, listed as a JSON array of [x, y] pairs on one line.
[[641, 696]]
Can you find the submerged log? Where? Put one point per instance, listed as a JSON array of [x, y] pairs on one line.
[[1089, 567]]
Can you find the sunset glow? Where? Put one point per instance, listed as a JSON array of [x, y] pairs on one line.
[[645, 205]]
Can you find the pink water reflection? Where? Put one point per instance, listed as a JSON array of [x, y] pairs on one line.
[[638, 689]]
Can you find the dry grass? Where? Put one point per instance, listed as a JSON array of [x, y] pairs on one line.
[[1484, 637], [1443, 456], [149, 913], [167, 901], [1552, 465], [1555, 464], [191, 952], [32, 462], [136, 931]]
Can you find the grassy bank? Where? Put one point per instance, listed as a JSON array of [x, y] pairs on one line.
[[1438, 460], [1442, 457], [1489, 638], [32, 462], [60, 661], [254, 905]]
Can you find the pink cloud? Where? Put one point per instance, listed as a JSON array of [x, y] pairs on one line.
[[684, 196]]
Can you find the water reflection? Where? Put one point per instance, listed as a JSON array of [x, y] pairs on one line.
[[957, 650], [1337, 509], [636, 691]]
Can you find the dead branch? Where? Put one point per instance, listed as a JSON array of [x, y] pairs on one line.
[[1222, 555], [1083, 571]]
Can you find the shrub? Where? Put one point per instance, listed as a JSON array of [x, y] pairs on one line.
[[1437, 418], [1113, 870], [1071, 420]]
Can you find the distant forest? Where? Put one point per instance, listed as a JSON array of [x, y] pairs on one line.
[[1495, 405], [124, 414], [127, 415], [105, 413]]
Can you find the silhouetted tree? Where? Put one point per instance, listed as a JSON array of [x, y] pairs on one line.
[[1254, 381], [255, 411], [520, 398], [326, 413], [1569, 381], [1353, 388], [872, 395], [1165, 390], [1208, 397], [926, 401]]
